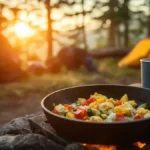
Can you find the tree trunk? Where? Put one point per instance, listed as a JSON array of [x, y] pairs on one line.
[[126, 33], [119, 43], [126, 24], [83, 25], [112, 35], [49, 29], [148, 20]]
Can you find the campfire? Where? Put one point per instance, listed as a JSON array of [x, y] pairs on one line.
[[138, 145], [99, 147]]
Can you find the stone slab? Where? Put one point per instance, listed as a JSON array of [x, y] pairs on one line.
[[39, 125]]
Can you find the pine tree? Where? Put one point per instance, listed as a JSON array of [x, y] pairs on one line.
[[111, 15], [125, 17]]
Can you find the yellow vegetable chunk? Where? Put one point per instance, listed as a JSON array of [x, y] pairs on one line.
[[94, 105], [99, 97], [105, 107], [142, 111], [59, 108], [132, 102], [81, 99], [95, 112], [100, 100], [111, 100], [123, 109], [124, 98], [70, 115], [96, 119]]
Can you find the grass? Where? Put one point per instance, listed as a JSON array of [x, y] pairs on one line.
[[108, 73]]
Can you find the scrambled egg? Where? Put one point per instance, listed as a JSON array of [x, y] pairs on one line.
[[142, 111], [102, 109], [106, 107]]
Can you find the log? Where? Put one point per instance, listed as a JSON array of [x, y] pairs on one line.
[[104, 53]]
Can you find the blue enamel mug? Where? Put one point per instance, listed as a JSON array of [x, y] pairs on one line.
[[145, 72]]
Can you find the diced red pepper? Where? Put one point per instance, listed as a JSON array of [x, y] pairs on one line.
[[55, 111], [120, 117], [137, 116], [83, 103], [90, 100], [80, 113], [118, 102], [69, 107], [66, 105]]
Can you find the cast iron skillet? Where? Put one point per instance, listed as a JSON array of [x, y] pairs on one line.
[[98, 133]]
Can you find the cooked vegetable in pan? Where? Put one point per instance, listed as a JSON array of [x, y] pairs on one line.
[[100, 108]]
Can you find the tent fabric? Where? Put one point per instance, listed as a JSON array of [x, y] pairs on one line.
[[141, 50]]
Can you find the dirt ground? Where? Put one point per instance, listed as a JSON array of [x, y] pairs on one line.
[[23, 97], [13, 107]]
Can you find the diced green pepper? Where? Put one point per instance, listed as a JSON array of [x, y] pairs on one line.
[[104, 116], [89, 112], [115, 99], [128, 118], [78, 103], [145, 105], [63, 113]]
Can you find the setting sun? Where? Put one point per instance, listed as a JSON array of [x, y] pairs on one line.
[[23, 30]]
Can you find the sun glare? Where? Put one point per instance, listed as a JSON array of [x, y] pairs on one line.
[[22, 30], [56, 15]]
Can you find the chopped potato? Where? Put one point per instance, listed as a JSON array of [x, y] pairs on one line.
[[147, 115], [93, 105], [142, 111], [124, 98], [95, 112], [123, 109], [70, 115], [96, 119], [111, 100], [106, 106], [132, 102]]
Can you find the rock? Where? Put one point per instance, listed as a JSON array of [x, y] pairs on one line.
[[17, 126], [39, 125], [74, 146], [27, 142]]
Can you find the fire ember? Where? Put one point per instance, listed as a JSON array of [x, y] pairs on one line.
[[99, 147], [136, 145], [140, 144]]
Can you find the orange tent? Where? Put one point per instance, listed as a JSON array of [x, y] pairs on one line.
[[141, 50]]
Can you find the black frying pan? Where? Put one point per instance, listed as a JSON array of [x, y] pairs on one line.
[[98, 133]]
